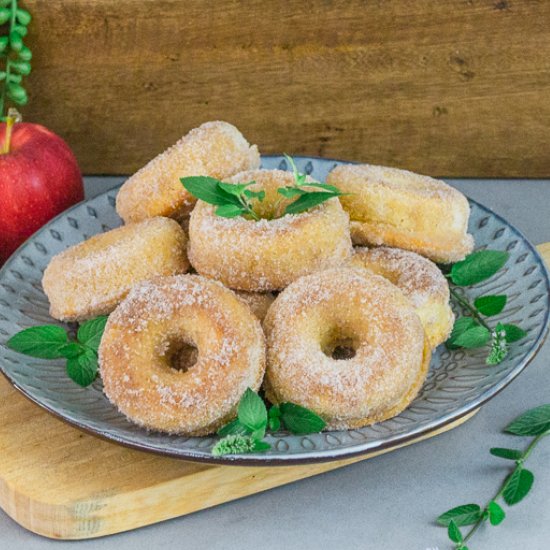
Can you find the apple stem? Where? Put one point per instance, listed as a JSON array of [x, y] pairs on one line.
[[13, 117]]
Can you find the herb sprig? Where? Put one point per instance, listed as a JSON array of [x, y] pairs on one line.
[[15, 54], [234, 200], [245, 434], [474, 331], [53, 342], [535, 423]]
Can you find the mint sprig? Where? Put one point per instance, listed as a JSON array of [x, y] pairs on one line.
[[474, 331], [245, 434], [53, 342], [516, 486]]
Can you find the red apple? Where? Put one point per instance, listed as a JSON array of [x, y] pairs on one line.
[[39, 178]]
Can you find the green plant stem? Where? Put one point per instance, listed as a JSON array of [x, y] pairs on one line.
[[8, 61], [483, 515], [464, 303]]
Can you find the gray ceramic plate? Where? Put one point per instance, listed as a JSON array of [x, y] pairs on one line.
[[458, 381]]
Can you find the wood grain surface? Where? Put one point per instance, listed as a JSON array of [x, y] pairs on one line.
[[443, 87], [62, 483]]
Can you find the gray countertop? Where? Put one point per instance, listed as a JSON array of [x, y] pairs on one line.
[[389, 502]]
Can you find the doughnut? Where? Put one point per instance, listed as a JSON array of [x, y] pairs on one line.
[[268, 254], [214, 149], [421, 282], [399, 208], [348, 345], [91, 278], [258, 302], [146, 358]]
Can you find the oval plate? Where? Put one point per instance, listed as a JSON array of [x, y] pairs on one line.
[[457, 383]]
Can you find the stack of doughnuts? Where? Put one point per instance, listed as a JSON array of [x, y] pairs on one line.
[[285, 303]]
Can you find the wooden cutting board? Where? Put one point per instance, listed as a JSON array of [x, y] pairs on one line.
[[62, 483]]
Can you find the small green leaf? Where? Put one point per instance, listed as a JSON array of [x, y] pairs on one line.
[[261, 446], [71, 350], [510, 454], [533, 422], [299, 420], [16, 92], [43, 341], [454, 532], [83, 368], [17, 78], [496, 513], [274, 424], [22, 30], [25, 54], [16, 42], [490, 305], [478, 266], [4, 15], [90, 332], [235, 189], [291, 192], [274, 411], [325, 187], [259, 195], [465, 514], [474, 337], [229, 210], [517, 486], [252, 411], [513, 333], [207, 189], [22, 67], [23, 16], [233, 428], [307, 201], [461, 325], [258, 434]]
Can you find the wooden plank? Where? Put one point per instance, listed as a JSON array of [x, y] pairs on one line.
[[444, 87], [62, 483]]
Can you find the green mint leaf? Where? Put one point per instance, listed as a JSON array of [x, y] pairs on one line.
[[496, 513], [299, 420], [233, 428], [454, 532], [478, 266], [274, 424], [466, 514], [235, 189], [461, 325], [207, 189], [72, 350], [517, 486], [83, 368], [291, 192], [490, 305], [259, 195], [307, 201], [261, 446], [229, 211], [533, 422], [234, 444], [510, 454], [513, 332], [474, 337], [43, 341], [258, 435], [252, 412], [274, 411], [326, 187], [90, 332], [298, 176]]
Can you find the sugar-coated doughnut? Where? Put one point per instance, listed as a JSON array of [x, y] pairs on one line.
[[419, 279], [350, 309], [258, 302], [399, 208], [214, 149], [91, 278], [160, 322], [270, 253]]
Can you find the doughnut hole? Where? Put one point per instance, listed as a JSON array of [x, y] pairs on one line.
[[339, 344], [180, 354]]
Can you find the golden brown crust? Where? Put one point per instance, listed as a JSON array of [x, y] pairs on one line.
[[367, 313], [419, 279], [135, 363], [214, 149], [93, 277], [268, 254], [393, 207]]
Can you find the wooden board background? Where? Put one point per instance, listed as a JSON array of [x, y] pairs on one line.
[[444, 87]]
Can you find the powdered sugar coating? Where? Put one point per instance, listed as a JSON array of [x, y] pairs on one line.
[[270, 253], [419, 279], [363, 310], [135, 367], [91, 278], [388, 206], [214, 149]]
